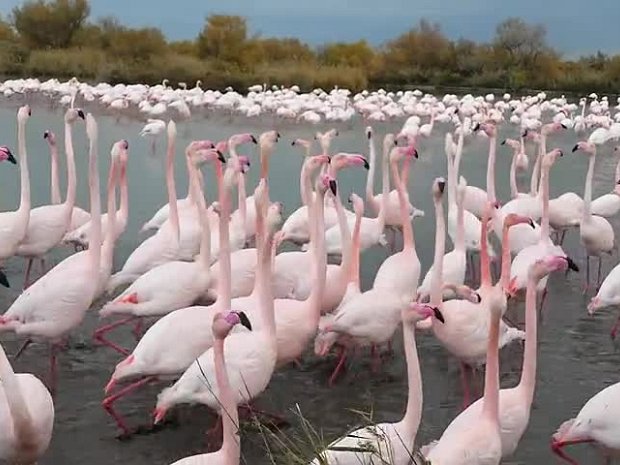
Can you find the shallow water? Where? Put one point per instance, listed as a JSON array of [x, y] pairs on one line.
[[576, 357]]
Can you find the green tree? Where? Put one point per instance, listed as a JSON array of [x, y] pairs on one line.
[[6, 31], [223, 37], [520, 43], [53, 24]]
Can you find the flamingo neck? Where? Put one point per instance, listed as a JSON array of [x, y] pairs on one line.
[[229, 412], [345, 234], [528, 372], [504, 278], [172, 193], [460, 225], [190, 191], [265, 155], [514, 190], [408, 234], [491, 169], [71, 175], [18, 409], [224, 284], [544, 182], [94, 243], [587, 195], [385, 188], [413, 413], [491, 378], [54, 186], [204, 256], [113, 179], [617, 178], [354, 276], [24, 204], [440, 243], [485, 264], [124, 210], [319, 258], [241, 199], [305, 187], [264, 244], [370, 176]]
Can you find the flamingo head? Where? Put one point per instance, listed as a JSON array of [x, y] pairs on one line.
[[513, 219], [418, 311], [488, 128], [268, 139], [345, 160], [243, 138], [223, 323], [514, 144], [222, 146], [584, 146], [316, 161], [243, 164], [550, 158], [543, 267], [73, 114], [204, 156], [439, 186], [24, 112], [369, 132], [398, 153], [274, 215], [50, 137], [5, 154], [358, 204], [325, 182], [306, 144]]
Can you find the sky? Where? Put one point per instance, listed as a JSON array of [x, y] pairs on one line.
[[574, 27]]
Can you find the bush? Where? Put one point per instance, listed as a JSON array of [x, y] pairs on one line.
[[84, 63]]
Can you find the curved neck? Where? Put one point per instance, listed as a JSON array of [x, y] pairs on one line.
[[22, 422], [491, 169], [542, 149], [223, 283], [408, 237], [113, 179], [440, 242], [514, 190], [94, 243], [172, 193], [413, 413], [485, 265], [229, 412], [54, 183], [587, 194], [491, 377], [241, 199], [71, 181], [24, 203], [528, 372], [370, 176], [265, 155], [305, 187], [460, 223], [345, 234], [544, 182], [204, 256]]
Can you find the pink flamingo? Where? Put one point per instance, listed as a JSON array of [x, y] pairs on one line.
[[48, 310], [230, 452], [48, 224], [26, 415], [14, 224], [515, 403]]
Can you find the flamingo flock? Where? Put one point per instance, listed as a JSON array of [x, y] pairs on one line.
[[217, 308]]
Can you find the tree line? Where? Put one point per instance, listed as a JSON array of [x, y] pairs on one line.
[[58, 39]]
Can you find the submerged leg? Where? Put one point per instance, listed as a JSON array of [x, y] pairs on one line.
[[587, 285], [27, 274], [598, 275], [614, 329], [108, 402]]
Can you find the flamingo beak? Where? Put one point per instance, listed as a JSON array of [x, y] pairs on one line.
[[532, 224], [253, 139], [333, 186], [366, 164], [572, 265], [441, 185], [575, 148], [564, 126], [438, 314], [3, 279], [503, 142], [244, 320], [158, 415], [478, 298], [10, 157], [81, 114], [220, 157]]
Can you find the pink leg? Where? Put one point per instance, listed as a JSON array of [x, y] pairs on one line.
[[339, 366], [297, 363], [108, 402], [137, 329], [376, 361], [465, 383], [562, 237], [22, 348], [598, 276], [42, 264], [98, 336], [614, 329], [587, 285], [27, 274], [53, 369]]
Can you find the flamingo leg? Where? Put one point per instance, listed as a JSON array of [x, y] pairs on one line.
[[98, 336], [557, 446], [21, 350], [339, 366], [42, 265], [587, 285], [614, 329], [27, 274], [598, 276], [53, 368], [108, 402], [376, 361], [465, 383], [137, 329]]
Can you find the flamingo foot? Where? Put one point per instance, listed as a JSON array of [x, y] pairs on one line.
[[339, 367], [108, 404]]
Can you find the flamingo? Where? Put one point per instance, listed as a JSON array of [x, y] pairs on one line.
[[516, 152], [164, 246], [251, 356], [608, 205], [153, 129], [14, 224], [154, 357], [230, 452], [595, 232], [515, 403], [56, 303], [26, 415], [596, 423], [480, 442], [170, 286], [608, 295]]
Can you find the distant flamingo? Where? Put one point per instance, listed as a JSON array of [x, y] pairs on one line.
[[26, 415]]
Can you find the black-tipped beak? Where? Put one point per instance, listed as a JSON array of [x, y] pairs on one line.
[[349, 198], [3, 279], [278, 135], [293, 143], [333, 186], [81, 114], [336, 134], [524, 133], [369, 135], [220, 157], [441, 185], [532, 224], [575, 148], [253, 139], [438, 315], [366, 164], [46, 134], [503, 142], [618, 181], [478, 298], [564, 126], [572, 265], [561, 153], [415, 154], [244, 320], [476, 127], [10, 157], [456, 111]]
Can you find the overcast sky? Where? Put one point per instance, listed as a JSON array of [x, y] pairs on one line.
[[575, 26]]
